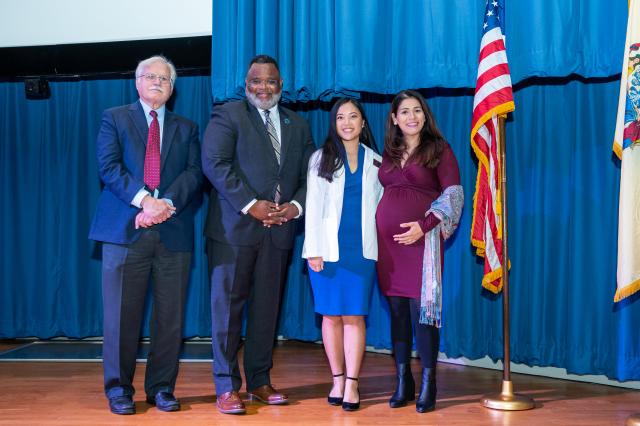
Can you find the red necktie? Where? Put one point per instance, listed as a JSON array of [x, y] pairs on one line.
[[152, 155]]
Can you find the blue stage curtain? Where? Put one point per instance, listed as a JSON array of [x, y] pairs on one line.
[[328, 47], [563, 200]]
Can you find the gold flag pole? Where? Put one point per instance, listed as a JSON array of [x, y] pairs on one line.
[[633, 420], [506, 400]]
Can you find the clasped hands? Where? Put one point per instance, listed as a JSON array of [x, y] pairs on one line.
[[154, 211], [270, 213]]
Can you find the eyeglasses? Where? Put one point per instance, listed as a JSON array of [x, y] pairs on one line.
[[153, 77], [255, 82]]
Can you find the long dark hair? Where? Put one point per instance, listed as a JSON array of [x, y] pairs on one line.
[[431, 145], [333, 152]]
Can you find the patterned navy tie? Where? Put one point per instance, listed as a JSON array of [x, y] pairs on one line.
[[275, 143]]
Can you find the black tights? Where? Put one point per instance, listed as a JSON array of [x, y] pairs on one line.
[[405, 313]]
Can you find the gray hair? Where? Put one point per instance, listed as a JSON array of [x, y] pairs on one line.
[[157, 58]]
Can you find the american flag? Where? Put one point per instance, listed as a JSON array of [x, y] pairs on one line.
[[493, 98]]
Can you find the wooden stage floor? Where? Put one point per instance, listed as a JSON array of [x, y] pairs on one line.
[[68, 393]]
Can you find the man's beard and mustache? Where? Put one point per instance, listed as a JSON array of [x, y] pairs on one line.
[[260, 104]]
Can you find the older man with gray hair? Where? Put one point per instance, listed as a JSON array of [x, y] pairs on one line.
[[149, 163]]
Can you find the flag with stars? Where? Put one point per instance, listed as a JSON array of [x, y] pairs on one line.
[[493, 98], [626, 145]]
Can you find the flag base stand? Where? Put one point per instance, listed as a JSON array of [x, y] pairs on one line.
[[633, 420], [508, 401]]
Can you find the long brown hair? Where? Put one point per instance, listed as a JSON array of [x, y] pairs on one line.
[[431, 145]]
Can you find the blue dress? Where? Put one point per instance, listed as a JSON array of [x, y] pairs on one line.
[[344, 287]]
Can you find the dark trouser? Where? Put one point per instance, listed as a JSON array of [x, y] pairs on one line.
[[244, 275], [405, 313], [126, 270]]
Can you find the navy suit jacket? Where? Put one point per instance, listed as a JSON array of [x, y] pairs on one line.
[[121, 147], [239, 160]]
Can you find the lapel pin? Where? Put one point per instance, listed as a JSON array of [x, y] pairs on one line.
[[286, 121]]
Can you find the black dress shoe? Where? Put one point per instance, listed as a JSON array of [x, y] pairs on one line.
[[164, 401], [122, 405]]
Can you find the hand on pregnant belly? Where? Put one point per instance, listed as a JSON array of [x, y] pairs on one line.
[[413, 234]]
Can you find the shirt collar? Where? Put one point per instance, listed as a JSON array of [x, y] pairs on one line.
[[146, 108], [273, 111]]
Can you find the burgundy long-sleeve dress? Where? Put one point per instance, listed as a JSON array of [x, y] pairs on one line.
[[408, 194]]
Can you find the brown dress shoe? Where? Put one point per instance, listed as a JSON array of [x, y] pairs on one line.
[[230, 403], [268, 395]]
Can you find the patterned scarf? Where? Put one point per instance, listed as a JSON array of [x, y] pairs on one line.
[[448, 208]]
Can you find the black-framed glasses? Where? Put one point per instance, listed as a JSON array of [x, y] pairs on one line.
[[150, 77]]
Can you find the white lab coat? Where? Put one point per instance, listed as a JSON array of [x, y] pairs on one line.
[[323, 209]]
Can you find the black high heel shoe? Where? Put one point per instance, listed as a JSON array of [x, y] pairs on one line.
[[335, 400], [351, 406]]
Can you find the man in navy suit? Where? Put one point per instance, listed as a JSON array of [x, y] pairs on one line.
[[149, 163], [255, 154]]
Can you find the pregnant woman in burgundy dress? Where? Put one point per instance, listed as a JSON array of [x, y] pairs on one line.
[[420, 207]]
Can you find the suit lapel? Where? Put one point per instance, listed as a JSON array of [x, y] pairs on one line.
[[285, 134], [168, 132], [139, 121]]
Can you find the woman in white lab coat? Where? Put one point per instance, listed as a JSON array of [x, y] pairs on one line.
[[340, 242]]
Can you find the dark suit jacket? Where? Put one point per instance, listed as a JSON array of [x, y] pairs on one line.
[[239, 160], [121, 147]]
